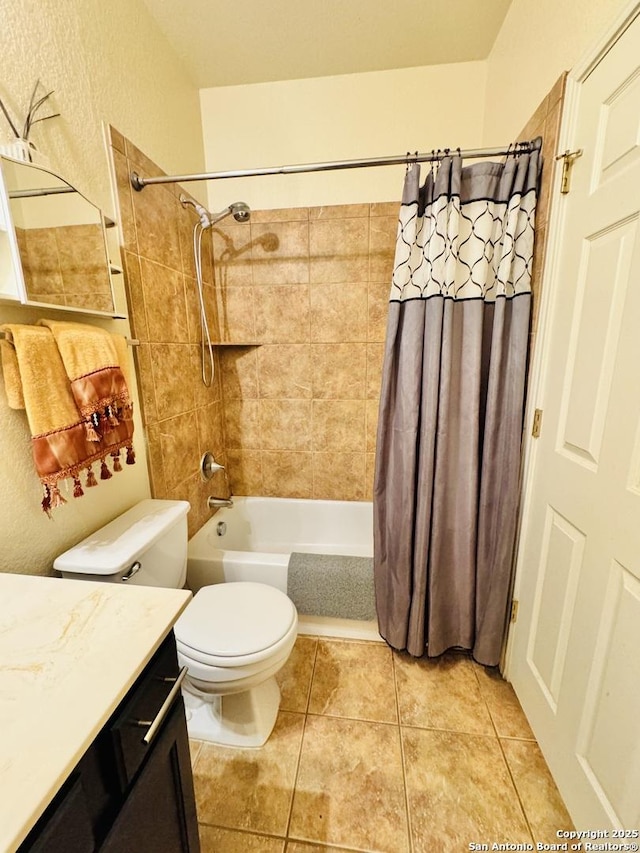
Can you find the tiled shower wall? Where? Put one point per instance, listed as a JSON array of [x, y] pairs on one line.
[[182, 417], [298, 297], [309, 287]]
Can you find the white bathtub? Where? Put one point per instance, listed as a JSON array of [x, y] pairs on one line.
[[261, 534]]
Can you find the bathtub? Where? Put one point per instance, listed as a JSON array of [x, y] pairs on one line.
[[254, 539]]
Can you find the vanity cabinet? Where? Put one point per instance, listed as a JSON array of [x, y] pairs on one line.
[[133, 788]]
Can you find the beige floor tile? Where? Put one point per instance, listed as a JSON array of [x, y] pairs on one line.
[[505, 710], [250, 788], [298, 847], [194, 750], [215, 839], [295, 676], [353, 680], [349, 790], [440, 693], [540, 797], [459, 792]]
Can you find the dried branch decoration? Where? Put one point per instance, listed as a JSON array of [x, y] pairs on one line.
[[35, 103]]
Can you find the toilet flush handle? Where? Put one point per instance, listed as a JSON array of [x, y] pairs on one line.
[[133, 570]]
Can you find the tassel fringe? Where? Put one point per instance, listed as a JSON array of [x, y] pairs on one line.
[[91, 478], [77, 488], [117, 465], [46, 501], [105, 473], [131, 456], [56, 498]]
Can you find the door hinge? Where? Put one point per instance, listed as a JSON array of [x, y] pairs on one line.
[[537, 422], [514, 610], [567, 163]]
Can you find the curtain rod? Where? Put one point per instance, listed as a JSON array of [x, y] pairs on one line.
[[139, 183]]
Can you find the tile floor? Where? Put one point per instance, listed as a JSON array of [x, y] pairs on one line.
[[376, 751]]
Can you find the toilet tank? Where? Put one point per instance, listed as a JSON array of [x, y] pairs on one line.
[[147, 545]]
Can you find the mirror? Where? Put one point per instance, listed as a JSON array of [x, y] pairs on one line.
[[60, 243]]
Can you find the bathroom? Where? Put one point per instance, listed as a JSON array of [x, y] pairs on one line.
[[296, 416]]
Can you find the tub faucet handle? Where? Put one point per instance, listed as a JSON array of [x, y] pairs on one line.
[[209, 466]]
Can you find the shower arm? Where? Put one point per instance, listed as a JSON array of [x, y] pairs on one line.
[[139, 183]]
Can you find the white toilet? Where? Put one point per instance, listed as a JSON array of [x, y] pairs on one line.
[[233, 637]]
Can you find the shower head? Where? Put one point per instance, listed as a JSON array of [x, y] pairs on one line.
[[241, 212]]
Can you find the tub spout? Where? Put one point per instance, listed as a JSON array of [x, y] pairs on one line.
[[215, 503]]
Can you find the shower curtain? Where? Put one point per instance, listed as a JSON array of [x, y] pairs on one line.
[[451, 408]]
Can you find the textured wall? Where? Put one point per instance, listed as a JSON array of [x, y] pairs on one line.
[[337, 118], [537, 42], [107, 62]]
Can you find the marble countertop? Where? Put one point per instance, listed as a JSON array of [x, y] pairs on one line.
[[69, 652]]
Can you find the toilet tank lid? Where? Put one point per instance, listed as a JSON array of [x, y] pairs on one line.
[[115, 546]]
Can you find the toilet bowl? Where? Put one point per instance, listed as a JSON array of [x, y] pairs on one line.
[[232, 637]]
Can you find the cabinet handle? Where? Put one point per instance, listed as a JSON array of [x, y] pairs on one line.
[[154, 725]]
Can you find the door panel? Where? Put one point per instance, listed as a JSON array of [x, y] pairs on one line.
[[574, 656]]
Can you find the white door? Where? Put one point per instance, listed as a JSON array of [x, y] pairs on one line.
[[574, 655]]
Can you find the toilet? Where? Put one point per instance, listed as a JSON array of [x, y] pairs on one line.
[[232, 637]]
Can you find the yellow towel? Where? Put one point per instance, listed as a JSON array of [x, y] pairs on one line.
[[66, 440]]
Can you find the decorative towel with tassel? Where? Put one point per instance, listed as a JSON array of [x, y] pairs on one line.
[[71, 380]]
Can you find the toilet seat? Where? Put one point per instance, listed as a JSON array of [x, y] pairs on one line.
[[235, 624]]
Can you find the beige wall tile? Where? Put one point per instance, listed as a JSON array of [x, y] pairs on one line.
[[244, 468], [282, 313], [385, 208], [163, 290], [192, 309], [283, 214], [155, 461], [235, 314], [242, 424], [339, 211], [146, 385], [284, 371], [287, 474], [187, 220], [211, 429], [372, 407], [285, 424], [173, 378], [232, 247], [375, 359], [239, 372], [280, 252], [156, 218], [117, 139], [382, 248], [339, 250], [180, 456], [189, 490], [369, 476], [339, 371], [338, 424], [141, 163], [338, 313], [135, 296], [125, 201], [377, 310], [338, 476]]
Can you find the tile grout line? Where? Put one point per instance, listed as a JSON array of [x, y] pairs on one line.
[[304, 728], [402, 755], [504, 757]]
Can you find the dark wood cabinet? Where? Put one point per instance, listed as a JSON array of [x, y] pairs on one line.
[[133, 788]]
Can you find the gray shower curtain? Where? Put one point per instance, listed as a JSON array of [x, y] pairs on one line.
[[451, 408]]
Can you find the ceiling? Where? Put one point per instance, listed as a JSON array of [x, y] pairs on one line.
[[232, 42]]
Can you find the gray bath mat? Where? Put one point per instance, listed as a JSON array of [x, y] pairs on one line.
[[332, 585]]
